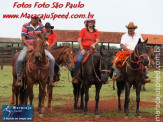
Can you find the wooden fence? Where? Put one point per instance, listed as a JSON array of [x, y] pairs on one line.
[[7, 53]]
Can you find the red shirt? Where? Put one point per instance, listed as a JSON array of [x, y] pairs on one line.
[[86, 40], [52, 38]]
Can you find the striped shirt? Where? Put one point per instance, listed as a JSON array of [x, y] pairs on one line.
[[27, 31]]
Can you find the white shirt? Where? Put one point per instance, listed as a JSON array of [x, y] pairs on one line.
[[131, 42]]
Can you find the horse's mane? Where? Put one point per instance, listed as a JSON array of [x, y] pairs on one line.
[[56, 48], [40, 36]]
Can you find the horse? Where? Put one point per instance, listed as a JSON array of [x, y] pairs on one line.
[[95, 70], [132, 73], [151, 55], [35, 71], [63, 55]]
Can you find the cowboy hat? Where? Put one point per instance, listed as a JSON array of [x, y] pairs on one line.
[[48, 25], [88, 20], [131, 25]]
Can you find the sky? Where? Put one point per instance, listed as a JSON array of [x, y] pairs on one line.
[[110, 15]]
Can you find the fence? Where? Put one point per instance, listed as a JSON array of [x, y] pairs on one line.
[[7, 53]]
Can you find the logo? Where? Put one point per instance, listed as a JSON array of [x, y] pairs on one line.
[[17, 112]]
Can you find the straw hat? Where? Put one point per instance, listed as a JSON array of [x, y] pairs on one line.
[[88, 20], [131, 25]]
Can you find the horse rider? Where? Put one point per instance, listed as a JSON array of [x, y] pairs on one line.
[[52, 40], [88, 38], [27, 39], [128, 43]]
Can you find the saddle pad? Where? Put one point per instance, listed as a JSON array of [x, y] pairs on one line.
[[122, 55], [87, 56]]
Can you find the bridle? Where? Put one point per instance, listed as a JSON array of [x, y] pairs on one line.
[[104, 70], [101, 70], [138, 57], [64, 60], [138, 62]]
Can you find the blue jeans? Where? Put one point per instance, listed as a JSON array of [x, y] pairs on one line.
[[22, 56], [117, 71], [78, 61], [116, 68]]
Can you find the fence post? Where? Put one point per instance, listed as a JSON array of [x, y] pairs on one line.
[[2, 56]]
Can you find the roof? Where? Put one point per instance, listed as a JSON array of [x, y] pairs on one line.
[[105, 37], [10, 40]]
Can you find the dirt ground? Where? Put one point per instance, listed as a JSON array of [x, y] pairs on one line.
[[104, 106]]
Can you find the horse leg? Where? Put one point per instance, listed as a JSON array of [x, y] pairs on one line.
[[86, 90], [13, 91], [127, 99], [98, 88], [75, 91], [40, 99], [144, 88], [49, 94], [31, 95], [43, 99], [113, 84], [82, 94], [17, 95], [138, 98], [119, 91]]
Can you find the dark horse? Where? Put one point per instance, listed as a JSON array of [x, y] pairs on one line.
[[63, 55], [151, 55], [95, 70], [36, 72], [133, 74]]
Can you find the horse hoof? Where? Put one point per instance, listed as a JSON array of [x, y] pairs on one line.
[[97, 116], [41, 115], [139, 117], [126, 117], [85, 116]]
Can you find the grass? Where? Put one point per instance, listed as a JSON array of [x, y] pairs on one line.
[[63, 94]]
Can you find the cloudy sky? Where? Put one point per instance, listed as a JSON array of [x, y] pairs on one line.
[[110, 15]]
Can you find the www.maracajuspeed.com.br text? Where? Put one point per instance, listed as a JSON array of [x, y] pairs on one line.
[[48, 16]]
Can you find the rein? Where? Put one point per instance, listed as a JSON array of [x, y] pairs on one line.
[[101, 70], [138, 62], [36, 67], [62, 57], [138, 57]]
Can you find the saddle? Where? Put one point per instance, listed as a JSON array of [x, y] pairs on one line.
[[121, 58], [87, 56]]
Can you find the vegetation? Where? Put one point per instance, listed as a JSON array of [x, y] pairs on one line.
[[63, 94]]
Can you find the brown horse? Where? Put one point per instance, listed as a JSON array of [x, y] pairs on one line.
[[63, 55], [36, 71]]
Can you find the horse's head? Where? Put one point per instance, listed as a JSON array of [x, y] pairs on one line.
[[39, 45], [105, 64], [141, 52], [68, 57]]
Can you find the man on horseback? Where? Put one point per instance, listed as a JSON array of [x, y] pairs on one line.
[[52, 40], [88, 38], [52, 37], [128, 43], [27, 39]]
